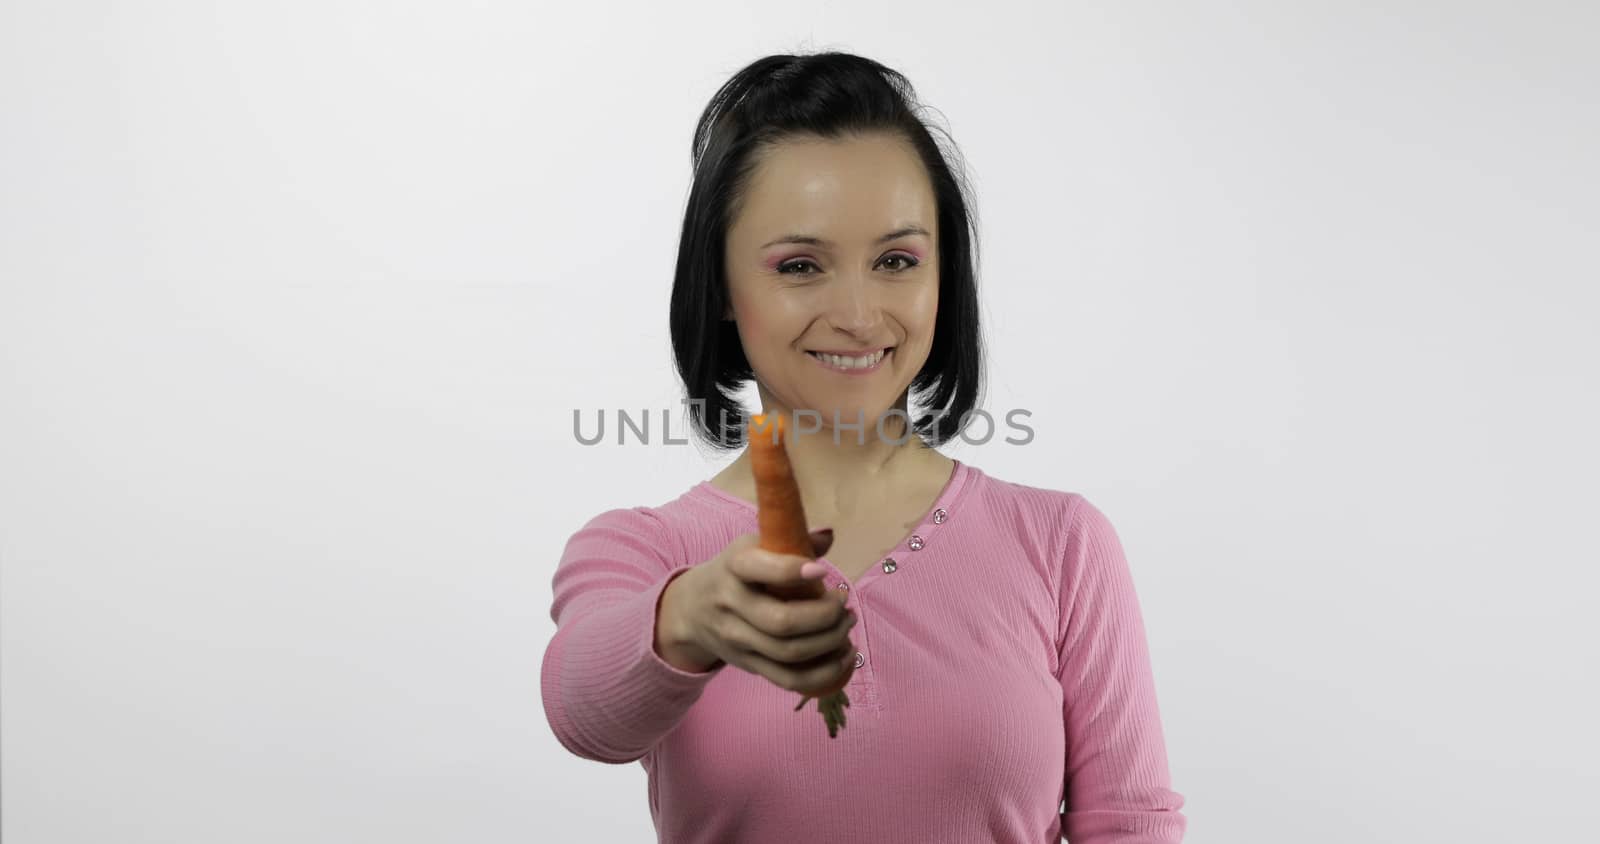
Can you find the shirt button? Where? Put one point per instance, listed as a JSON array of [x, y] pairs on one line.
[[843, 586], [889, 566], [860, 660], [915, 543], [939, 516]]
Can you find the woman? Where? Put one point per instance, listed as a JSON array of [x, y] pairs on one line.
[[1000, 688]]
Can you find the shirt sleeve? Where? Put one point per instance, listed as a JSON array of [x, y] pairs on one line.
[[1117, 787], [607, 694]]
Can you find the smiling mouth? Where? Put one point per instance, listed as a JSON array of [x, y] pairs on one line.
[[849, 363]]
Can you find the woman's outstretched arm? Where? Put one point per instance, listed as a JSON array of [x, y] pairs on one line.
[[608, 694]]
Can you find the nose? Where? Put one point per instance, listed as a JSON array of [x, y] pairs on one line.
[[853, 306]]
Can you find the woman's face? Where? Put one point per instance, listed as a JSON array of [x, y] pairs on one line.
[[860, 286]]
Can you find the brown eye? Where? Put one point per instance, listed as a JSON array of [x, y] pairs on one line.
[[909, 261], [783, 269]]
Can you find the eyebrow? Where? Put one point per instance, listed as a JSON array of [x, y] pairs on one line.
[[817, 241]]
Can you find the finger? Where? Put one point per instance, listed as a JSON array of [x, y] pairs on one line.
[[812, 674], [784, 618], [802, 650], [742, 635], [763, 567]]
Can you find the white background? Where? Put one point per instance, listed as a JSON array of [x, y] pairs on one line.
[[298, 300]]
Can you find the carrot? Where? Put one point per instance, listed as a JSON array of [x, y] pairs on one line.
[[782, 522]]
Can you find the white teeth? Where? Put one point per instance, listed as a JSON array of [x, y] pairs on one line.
[[853, 363]]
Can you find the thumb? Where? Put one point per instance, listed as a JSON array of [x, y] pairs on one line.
[[821, 541]]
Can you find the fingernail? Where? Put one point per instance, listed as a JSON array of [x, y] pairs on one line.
[[821, 541], [813, 570]]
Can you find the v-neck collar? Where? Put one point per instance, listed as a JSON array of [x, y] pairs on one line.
[[939, 514]]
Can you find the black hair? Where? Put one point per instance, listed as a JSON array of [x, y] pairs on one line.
[[829, 95]]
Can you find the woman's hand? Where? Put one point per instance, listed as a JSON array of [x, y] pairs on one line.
[[720, 609]]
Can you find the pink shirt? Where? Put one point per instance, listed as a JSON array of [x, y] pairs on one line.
[[1004, 691]]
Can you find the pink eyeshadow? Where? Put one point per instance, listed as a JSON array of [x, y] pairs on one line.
[[773, 263]]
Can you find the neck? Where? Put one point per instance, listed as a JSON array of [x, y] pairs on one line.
[[838, 468]]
